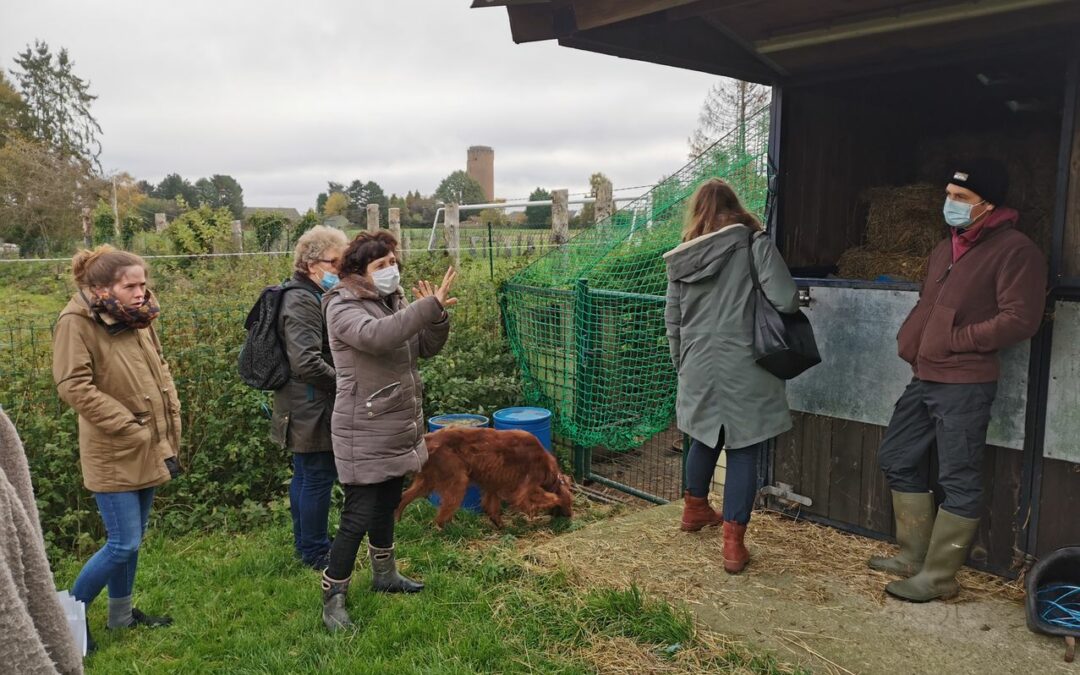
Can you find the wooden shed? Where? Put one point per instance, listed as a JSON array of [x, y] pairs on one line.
[[873, 94]]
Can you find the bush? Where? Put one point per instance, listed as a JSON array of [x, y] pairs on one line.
[[233, 474], [103, 223], [268, 228], [201, 230]]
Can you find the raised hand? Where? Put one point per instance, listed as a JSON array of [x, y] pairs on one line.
[[423, 289], [442, 293]]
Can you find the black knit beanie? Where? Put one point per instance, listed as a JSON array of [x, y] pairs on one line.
[[986, 177]]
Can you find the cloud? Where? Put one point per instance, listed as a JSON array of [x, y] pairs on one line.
[[285, 96]]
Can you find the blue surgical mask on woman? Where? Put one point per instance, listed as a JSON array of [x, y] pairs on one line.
[[329, 280], [958, 214]]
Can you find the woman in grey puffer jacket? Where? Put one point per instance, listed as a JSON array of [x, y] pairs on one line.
[[377, 427]]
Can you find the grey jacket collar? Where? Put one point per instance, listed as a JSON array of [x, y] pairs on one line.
[[706, 255]]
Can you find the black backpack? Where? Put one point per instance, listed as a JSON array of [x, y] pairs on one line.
[[263, 363]]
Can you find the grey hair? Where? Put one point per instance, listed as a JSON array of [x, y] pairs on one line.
[[314, 243]]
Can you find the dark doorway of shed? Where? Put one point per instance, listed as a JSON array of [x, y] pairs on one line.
[[863, 163]]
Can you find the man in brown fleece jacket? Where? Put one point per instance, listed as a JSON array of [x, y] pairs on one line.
[[985, 289]]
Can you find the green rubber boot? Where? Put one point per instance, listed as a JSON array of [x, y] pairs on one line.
[[948, 550], [914, 513]]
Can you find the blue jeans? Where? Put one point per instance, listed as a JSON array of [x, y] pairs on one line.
[[740, 482], [125, 515], [313, 479]]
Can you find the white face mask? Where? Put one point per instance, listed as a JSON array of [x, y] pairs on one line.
[[387, 279]]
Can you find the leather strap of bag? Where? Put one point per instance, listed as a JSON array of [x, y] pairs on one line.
[[750, 257]]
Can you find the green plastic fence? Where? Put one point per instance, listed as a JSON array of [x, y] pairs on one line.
[[586, 321]]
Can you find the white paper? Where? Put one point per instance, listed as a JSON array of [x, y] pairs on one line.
[[75, 612]]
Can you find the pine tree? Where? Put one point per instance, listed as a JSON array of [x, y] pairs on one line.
[[727, 106]]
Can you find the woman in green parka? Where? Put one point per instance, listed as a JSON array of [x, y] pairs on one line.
[[725, 400]]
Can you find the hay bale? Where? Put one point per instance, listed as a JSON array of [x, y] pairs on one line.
[[905, 219], [863, 262]]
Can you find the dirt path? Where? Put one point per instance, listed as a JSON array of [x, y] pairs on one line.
[[807, 598]]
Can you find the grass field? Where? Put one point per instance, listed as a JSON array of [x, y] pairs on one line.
[[243, 605]]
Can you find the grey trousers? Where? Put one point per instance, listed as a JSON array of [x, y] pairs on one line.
[[956, 415]]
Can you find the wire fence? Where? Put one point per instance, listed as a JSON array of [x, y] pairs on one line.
[[586, 320]]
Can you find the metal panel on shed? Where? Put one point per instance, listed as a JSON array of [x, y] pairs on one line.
[[1062, 439], [861, 377]]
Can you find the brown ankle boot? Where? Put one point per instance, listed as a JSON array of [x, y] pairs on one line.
[[697, 513], [735, 554]]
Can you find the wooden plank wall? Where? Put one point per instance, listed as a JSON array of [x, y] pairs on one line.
[[834, 147], [834, 462], [1070, 251], [1059, 512]]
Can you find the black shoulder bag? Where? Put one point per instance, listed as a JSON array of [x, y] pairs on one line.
[[784, 344]]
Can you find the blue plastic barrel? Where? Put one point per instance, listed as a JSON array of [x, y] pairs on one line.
[[472, 493], [537, 421]]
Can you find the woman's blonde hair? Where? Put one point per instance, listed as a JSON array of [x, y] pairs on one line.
[[713, 206], [103, 266], [313, 245]]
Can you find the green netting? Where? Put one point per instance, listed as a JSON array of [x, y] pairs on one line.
[[586, 321]]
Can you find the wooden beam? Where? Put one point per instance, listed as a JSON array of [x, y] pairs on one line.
[[481, 4], [590, 14], [912, 20], [691, 45], [532, 22]]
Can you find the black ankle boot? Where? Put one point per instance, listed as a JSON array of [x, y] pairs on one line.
[[138, 618]]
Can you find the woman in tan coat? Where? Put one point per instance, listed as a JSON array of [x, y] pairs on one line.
[[107, 365]]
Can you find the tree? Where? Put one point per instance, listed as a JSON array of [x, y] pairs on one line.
[[103, 223], [460, 188], [361, 194], [727, 107], [374, 194], [419, 210], [57, 103], [129, 225], [336, 204], [493, 217], [538, 216], [331, 188], [42, 195], [221, 191], [308, 221], [587, 216], [174, 185], [12, 111], [268, 227], [153, 205], [201, 230], [130, 201]]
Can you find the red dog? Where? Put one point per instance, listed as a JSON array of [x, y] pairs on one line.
[[510, 466]]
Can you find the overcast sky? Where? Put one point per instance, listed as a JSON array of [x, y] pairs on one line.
[[285, 96]]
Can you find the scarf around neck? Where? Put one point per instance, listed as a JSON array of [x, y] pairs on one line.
[[105, 304]]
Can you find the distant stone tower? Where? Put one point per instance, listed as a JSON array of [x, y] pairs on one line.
[[481, 167]]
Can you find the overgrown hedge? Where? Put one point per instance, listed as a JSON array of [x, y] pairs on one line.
[[234, 475]]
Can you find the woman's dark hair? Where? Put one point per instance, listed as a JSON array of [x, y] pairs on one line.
[[366, 248]]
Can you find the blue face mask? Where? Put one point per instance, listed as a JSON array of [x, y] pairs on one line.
[[329, 280], [958, 214]]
